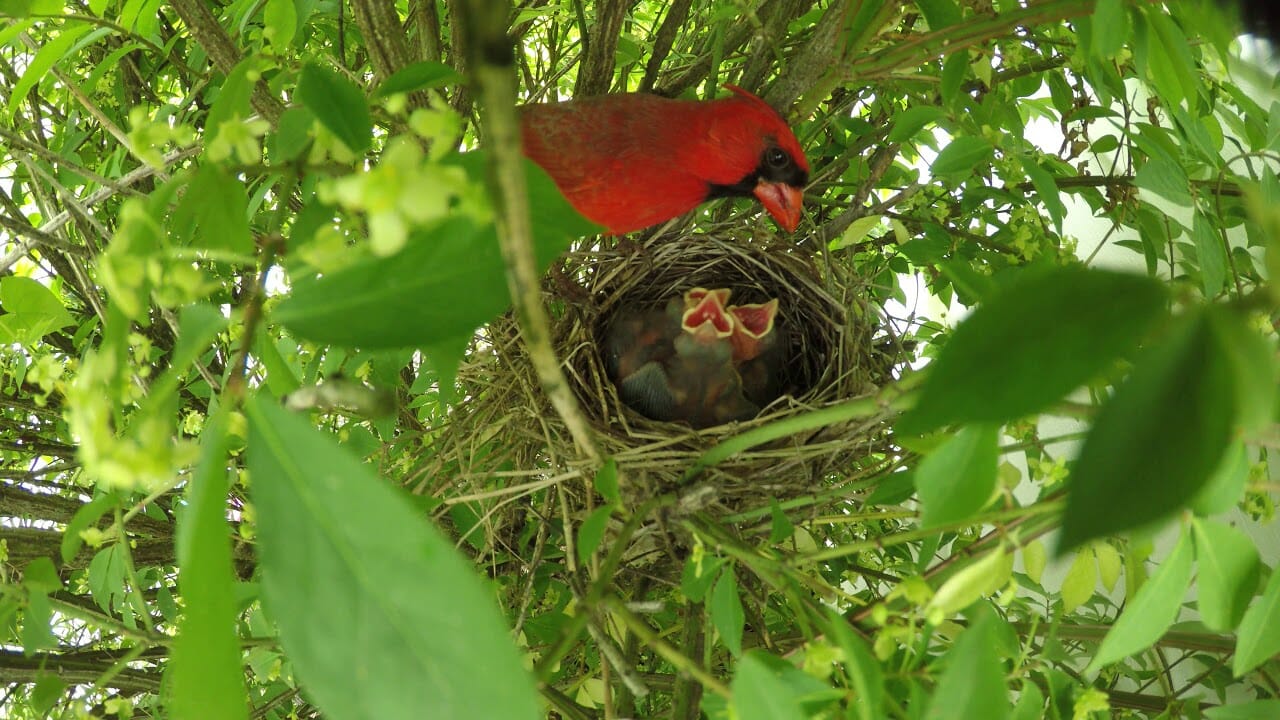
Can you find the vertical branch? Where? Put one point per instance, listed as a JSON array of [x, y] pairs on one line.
[[596, 72], [664, 40], [222, 51], [491, 60]]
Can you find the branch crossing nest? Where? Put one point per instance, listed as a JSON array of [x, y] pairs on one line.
[[505, 434]]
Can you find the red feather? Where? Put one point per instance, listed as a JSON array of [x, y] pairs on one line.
[[635, 160]]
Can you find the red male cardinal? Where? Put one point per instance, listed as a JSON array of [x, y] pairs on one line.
[[635, 160]]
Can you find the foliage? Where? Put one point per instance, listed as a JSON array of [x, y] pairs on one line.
[[209, 210]]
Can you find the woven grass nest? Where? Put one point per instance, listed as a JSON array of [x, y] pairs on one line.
[[506, 435]]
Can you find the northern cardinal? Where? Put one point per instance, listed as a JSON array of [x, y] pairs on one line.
[[681, 362], [634, 160]]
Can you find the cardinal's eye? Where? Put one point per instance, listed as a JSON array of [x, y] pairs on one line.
[[776, 158]]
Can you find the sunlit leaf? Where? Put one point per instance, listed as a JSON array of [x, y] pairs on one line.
[[972, 685], [1228, 574], [1034, 341], [1258, 637], [1152, 610], [958, 479], [338, 104]]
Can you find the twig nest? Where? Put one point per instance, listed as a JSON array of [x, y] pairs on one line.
[[505, 432]]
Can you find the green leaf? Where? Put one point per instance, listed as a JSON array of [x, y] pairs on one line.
[[760, 694], [1256, 710], [280, 18], [954, 71], [856, 231], [1047, 189], [1229, 569], [216, 208], [1110, 28], [1211, 254], [961, 157], [406, 629], [45, 693], [958, 479], [912, 120], [1165, 178], [1157, 441], [1080, 581], [291, 136], [606, 482], [232, 101], [1253, 366], [939, 13], [31, 311], [41, 576], [38, 67], [972, 686], [1030, 703], [699, 572], [37, 624], [780, 526], [980, 578], [863, 668], [205, 670], [1152, 610], [338, 104], [418, 76], [726, 611], [1258, 637], [591, 532], [1038, 338], [86, 516], [1225, 488], [447, 280]]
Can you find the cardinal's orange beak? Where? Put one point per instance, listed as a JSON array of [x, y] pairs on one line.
[[782, 201]]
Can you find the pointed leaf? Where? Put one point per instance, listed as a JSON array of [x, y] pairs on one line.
[[1157, 441], [1152, 611], [1229, 568], [406, 629], [726, 611], [863, 668], [760, 694], [1035, 340], [972, 686], [1258, 637], [962, 155], [338, 104], [208, 681], [958, 479]]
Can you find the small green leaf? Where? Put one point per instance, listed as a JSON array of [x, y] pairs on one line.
[[912, 120], [291, 136], [1258, 637], [85, 517], [726, 611], [958, 479], [205, 670], [939, 13], [1256, 710], [1211, 254], [45, 693], [406, 629], [1157, 441], [31, 311], [606, 482], [856, 231], [280, 18], [954, 71], [1152, 610], [780, 526], [1110, 28], [591, 532], [418, 76], [972, 686], [1109, 564], [41, 576], [1253, 365], [38, 66], [1165, 178], [1227, 485], [338, 104], [700, 571], [218, 211], [863, 668], [1079, 584], [37, 624], [1229, 569], [961, 157], [760, 694], [232, 100], [1036, 339], [963, 589]]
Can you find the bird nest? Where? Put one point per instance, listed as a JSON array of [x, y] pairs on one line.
[[505, 437]]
